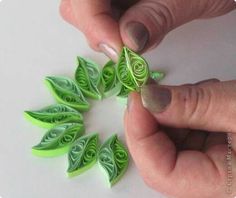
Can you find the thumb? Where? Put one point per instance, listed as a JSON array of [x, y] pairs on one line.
[[146, 23], [207, 106]]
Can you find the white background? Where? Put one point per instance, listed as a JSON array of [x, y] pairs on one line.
[[35, 42]]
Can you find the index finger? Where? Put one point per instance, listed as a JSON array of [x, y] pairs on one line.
[[95, 20]]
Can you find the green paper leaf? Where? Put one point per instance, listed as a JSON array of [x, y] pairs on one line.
[[67, 92], [113, 158], [53, 115], [157, 75], [87, 76], [132, 70], [124, 92], [58, 140], [122, 97], [83, 154], [110, 82]]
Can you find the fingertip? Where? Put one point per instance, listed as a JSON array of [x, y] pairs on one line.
[[139, 122], [151, 149], [109, 51], [66, 12], [138, 31], [135, 35], [103, 35], [96, 21]]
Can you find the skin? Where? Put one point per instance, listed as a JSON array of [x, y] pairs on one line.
[[105, 20], [186, 157], [180, 151]]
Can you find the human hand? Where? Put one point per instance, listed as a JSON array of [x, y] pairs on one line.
[[177, 138], [138, 24]]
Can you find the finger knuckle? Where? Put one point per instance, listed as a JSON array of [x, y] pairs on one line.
[[214, 8], [197, 104], [159, 14]]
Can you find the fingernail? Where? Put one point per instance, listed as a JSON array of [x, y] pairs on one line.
[[155, 98], [211, 80], [108, 51], [138, 34]]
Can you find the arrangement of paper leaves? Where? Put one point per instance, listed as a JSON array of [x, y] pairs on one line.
[[65, 122], [113, 158]]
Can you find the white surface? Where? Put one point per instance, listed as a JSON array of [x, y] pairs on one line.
[[35, 42]]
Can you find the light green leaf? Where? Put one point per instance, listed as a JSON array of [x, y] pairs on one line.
[[53, 115], [122, 97], [110, 82], [157, 75], [87, 76], [67, 92], [113, 159], [83, 154], [132, 70], [58, 140]]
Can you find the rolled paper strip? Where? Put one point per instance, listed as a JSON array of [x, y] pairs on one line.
[[87, 76], [157, 75], [132, 70], [82, 155], [110, 82], [67, 92], [58, 140], [123, 95], [114, 159], [53, 115], [124, 92]]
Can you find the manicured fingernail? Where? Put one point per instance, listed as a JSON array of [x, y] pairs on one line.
[[108, 51], [155, 98], [138, 34], [211, 80]]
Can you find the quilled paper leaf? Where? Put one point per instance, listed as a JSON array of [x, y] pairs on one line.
[[157, 75], [123, 95], [124, 92], [83, 154], [67, 92], [58, 140], [110, 82], [132, 70], [53, 115], [87, 76], [113, 158]]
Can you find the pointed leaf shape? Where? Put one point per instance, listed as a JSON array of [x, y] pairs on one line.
[[157, 75], [132, 69], [110, 82], [87, 76], [58, 140], [53, 115], [67, 92], [83, 154], [123, 95], [124, 92], [113, 158], [123, 72]]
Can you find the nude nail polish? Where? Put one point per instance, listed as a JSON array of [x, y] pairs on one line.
[[155, 98], [138, 34], [108, 51]]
